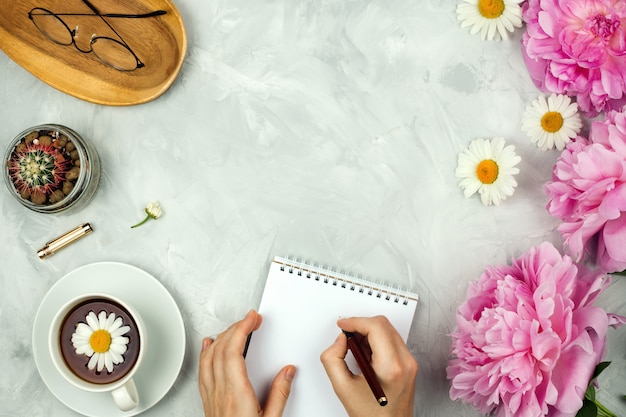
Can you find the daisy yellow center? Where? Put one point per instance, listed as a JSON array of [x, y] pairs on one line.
[[552, 121], [100, 341], [491, 9], [487, 171]]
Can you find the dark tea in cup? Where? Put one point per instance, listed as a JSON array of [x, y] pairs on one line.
[[99, 341]]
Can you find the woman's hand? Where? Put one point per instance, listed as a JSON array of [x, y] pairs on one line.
[[395, 368], [223, 380]]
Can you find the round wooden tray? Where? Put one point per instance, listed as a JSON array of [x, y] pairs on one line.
[[160, 43]]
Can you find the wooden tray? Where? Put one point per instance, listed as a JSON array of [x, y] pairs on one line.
[[160, 43]]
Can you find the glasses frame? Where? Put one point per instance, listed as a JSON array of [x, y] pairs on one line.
[[94, 38]]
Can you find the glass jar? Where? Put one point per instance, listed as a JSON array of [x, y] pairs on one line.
[[51, 169]]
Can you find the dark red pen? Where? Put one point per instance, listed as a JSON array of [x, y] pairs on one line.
[[362, 359]]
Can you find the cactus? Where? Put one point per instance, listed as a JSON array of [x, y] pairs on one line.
[[39, 166]]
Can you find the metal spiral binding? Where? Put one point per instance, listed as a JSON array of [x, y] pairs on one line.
[[343, 280]]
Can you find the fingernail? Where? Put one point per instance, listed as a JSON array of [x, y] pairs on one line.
[[205, 343], [290, 373], [255, 314]]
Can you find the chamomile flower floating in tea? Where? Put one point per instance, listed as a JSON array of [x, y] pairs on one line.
[[494, 19], [102, 339], [553, 122], [153, 211], [488, 166]]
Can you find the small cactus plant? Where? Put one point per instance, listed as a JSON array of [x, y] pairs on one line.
[[43, 168]]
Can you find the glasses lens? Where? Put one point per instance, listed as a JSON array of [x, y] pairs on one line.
[[114, 53], [51, 26]]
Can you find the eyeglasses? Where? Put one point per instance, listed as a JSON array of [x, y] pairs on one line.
[[115, 53]]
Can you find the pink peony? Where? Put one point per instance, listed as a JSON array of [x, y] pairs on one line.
[[578, 48], [588, 193], [528, 339]]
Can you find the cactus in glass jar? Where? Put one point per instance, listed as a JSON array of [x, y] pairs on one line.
[[39, 167]]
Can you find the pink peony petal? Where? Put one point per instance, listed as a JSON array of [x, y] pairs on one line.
[[616, 321], [614, 203], [577, 47], [528, 337], [614, 237], [588, 191], [574, 365]]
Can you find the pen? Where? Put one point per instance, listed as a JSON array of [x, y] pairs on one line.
[[363, 361], [65, 239]]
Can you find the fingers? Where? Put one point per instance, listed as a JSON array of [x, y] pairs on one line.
[[334, 364], [233, 340], [206, 342], [378, 326], [279, 392], [238, 332], [390, 356], [381, 335], [350, 389], [205, 374], [206, 383], [223, 378], [225, 353], [391, 360]]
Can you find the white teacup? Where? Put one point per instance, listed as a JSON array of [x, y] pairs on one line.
[[66, 338]]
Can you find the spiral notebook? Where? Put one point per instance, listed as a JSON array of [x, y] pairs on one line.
[[300, 307]]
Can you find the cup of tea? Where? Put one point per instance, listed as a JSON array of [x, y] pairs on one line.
[[97, 343]]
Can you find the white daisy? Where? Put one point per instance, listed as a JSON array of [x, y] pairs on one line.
[[153, 211], [553, 122], [102, 340], [487, 166], [494, 19]]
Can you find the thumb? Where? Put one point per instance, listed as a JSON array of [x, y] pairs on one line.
[[279, 392], [334, 363]]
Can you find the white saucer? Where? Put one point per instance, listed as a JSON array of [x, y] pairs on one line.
[[163, 321]]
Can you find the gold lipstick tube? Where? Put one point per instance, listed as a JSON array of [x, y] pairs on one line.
[[65, 239]]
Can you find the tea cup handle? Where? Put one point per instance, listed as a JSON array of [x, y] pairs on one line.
[[126, 397]]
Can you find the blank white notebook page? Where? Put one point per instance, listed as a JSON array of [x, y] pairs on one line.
[[300, 307]]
